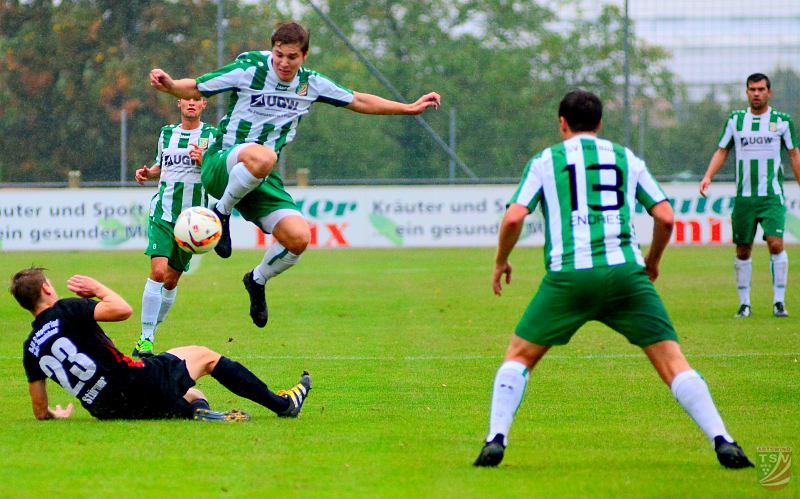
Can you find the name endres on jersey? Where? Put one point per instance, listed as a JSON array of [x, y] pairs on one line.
[[578, 219]]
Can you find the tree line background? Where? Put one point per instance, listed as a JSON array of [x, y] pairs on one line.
[[68, 69]]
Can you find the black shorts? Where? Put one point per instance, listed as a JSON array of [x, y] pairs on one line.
[[154, 391]]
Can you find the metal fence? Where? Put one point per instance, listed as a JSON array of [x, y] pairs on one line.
[[668, 72]]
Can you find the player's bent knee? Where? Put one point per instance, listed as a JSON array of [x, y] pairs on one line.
[[775, 246], [193, 394], [299, 243], [170, 283], [158, 275], [293, 233], [258, 160]]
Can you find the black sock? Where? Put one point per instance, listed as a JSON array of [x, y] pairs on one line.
[[200, 404], [241, 381]]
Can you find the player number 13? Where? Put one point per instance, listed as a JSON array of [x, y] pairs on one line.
[[598, 187]]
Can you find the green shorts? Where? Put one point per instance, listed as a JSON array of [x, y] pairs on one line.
[[263, 200], [161, 242], [621, 297], [749, 212]]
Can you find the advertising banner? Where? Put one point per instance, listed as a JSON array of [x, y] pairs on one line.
[[342, 217]]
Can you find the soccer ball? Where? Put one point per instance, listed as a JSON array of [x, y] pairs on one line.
[[197, 230]]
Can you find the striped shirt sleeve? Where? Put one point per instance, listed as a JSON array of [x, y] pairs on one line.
[[790, 135], [159, 149], [648, 191], [330, 92], [726, 137], [529, 191], [224, 79]]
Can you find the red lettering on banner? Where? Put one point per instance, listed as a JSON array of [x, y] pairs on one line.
[[261, 238], [705, 231], [716, 230], [313, 240], [336, 231], [336, 235], [680, 231]]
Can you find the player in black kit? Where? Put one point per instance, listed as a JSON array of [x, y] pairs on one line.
[[68, 346]]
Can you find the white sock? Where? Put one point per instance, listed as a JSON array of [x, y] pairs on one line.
[[167, 299], [509, 387], [276, 260], [151, 302], [744, 270], [691, 391], [240, 183], [779, 265]]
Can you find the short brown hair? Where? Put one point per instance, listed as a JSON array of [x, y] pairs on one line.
[[26, 286], [582, 110], [757, 77], [292, 32]]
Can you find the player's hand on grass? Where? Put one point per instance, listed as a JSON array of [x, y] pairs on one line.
[[497, 276], [83, 286], [161, 80], [432, 99], [60, 413]]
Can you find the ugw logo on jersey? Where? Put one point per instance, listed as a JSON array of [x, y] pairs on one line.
[[774, 467], [258, 100], [746, 141], [264, 100]]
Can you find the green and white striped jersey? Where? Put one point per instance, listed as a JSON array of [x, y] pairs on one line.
[[262, 108], [180, 185], [759, 171], [588, 188]]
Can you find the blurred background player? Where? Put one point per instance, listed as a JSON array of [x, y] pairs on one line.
[[588, 187], [68, 346], [177, 164], [270, 94], [758, 133]]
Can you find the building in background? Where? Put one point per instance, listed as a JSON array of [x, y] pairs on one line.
[[714, 44]]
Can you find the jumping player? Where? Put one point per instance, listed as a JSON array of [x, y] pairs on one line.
[[270, 93]]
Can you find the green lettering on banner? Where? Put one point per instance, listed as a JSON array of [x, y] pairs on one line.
[[386, 227]]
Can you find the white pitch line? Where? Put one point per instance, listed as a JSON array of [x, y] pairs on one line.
[[499, 356], [414, 358]]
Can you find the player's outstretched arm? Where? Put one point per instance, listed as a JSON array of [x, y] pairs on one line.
[[147, 173], [794, 160], [41, 411], [663, 220], [372, 104], [185, 88], [714, 166], [510, 229], [112, 307]]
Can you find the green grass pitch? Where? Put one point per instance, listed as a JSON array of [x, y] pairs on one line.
[[402, 346]]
